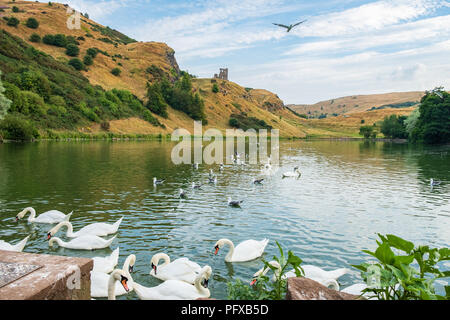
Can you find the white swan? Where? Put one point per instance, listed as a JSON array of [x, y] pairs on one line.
[[326, 278], [180, 269], [106, 264], [96, 229], [18, 247], [355, 289], [244, 251], [176, 289], [99, 280], [296, 173], [116, 275], [52, 216], [83, 242]]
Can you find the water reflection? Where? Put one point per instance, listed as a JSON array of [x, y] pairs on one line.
[[348, 191]]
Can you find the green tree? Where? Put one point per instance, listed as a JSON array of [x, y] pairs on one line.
[[411, 121], [16, 128], [393, 127], [72, 50], [5, 103], [156, 102], [215, 88], [186, 82], [13, 22], [32, 23], [76, 63], [433, 124], [366, 131], [48, 39], [87, 60], [35, 38], [92, 52], [60, 40], [15, 9], [116, 71]]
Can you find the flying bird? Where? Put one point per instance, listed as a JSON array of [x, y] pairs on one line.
[[289, 28]]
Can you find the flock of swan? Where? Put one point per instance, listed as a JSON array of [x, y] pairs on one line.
[[182, 278]]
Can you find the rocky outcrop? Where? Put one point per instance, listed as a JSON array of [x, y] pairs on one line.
[[306, 289]]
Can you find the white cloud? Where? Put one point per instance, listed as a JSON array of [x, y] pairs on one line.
[[97, 9], [368, 17], [311, 79], [408, 33]]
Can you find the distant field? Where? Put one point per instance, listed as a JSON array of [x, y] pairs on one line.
[[359, 103]]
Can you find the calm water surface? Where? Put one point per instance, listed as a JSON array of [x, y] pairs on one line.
[[348, 192]]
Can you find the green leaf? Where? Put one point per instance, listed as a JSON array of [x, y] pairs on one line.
[[370, 252], [444, 254], [293, 259], [399, 260], [400, 243], [447, 291], [362, 267], [385, 254]]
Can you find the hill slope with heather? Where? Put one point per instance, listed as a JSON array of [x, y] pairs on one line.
[[108, 92], [140, 64]]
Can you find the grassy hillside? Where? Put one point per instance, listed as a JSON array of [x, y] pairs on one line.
[[141, 63], [359, 103], [112, 60]]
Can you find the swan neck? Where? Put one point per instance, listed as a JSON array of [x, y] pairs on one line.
[[165, 257], [67, 224], [231, 251], [126, 265], [57, 240], [198, 285], [32, 214], [112, 287]]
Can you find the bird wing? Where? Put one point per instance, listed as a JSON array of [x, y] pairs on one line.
[[281, 25], [298, 23]]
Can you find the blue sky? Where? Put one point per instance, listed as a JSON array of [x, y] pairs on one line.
[[344, 48]]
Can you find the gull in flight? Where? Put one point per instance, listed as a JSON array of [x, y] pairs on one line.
[[289, 28]]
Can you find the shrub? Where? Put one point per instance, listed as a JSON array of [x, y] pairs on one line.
[[366, 131], [13, 22], [261, 287], [116, 71], [87, 60], [233, 122], [242, 121], [15, 9], [394, 127], [32, 23], [156, 102], [76, 63], [35, 38], [48, 39], [92, 52], [60, 40], [147, 115], [363, 121], [395, 276], [432, 125], [16, 128], [72, 50], [215, 88], [5, 103], [105, 125]]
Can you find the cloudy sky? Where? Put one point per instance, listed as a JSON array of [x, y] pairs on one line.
[[345, 47]]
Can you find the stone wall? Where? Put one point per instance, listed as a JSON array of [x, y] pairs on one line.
[[58, 278]]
